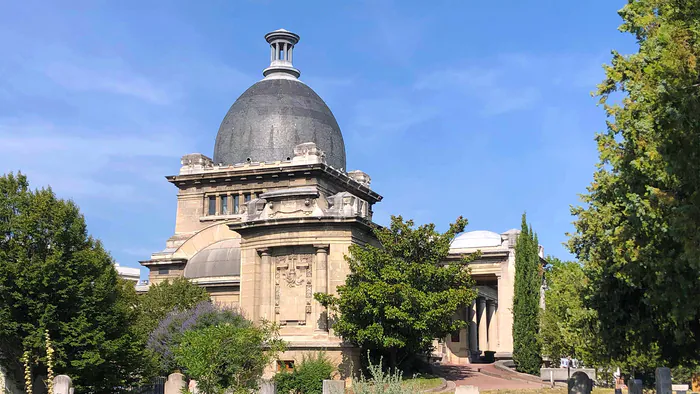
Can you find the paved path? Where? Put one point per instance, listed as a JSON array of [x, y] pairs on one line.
[[491, 378]]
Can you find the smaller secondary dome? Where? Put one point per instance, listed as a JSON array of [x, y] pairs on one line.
[[476, 239], [219, 259]]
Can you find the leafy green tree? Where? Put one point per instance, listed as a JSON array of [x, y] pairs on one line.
[[55, 277], [638, 234], [400, 296], [307, 377], [168, 334], [567, 327], [163, 298], [526, 302], [228, 357]]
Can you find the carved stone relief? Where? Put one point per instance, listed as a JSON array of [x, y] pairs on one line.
[[293, 288]]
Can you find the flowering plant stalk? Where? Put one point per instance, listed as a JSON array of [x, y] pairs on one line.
[[27, 372], [49, 363]]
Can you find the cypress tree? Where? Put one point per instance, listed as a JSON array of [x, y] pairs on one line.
[[526, 300]]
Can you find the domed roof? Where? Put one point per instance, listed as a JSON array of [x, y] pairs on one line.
[[476, 239], [271, 118], [219, 259], [278, 113]]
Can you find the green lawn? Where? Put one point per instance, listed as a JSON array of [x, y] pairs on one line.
[[423, 382], [558, 390]]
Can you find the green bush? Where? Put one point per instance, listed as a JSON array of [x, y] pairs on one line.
[[380, 382], [307, 377], [229, 357]]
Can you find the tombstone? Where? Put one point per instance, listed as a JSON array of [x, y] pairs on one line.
[[62, 384], [175, 383], [269, 387], [192, 387], [680, 388], [467, 390], [333, 387], [663, 381], [635, 386], [580, 383]]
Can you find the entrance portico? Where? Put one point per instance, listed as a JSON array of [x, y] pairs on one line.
[[489, 317]]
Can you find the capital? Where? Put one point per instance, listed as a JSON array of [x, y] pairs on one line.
[[323, 248], [263, 251]]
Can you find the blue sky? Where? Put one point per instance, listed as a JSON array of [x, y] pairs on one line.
[[480, 109]]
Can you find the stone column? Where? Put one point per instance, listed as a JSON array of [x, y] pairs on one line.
[[473, 344], [491, 324], [481, 312], [321, 286], [263, 290]]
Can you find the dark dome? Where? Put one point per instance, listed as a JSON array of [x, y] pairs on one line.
[[271, 118]]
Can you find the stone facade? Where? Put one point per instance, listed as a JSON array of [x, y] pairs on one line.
[[265, 237], [490, 317]]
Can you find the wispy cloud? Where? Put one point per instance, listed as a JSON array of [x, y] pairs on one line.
[[97, 164], [389, 115], [512, 82], [113, 79]]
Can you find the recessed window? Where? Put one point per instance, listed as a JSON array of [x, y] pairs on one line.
[[246, 197], [163, 271], [236, 204], [224, 205], [455, 336], [285, 365], [212, 205]]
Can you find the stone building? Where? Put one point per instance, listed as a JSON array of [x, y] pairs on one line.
[[267, 222], [490, 318]]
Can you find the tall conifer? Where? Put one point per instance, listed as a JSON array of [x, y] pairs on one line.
[[526, 349]]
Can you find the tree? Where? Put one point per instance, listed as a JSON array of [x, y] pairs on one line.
[[55, 278], [228, 357], [400, 296], [526, 302], [163, 298], [638, 234], [307, 377], [567, 327], [168, 334]]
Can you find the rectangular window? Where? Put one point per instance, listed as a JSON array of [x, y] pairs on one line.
[[224, 205], [246, 197], [212, 205], [236, 210], [163, 271], [455, 336], [285, 365]]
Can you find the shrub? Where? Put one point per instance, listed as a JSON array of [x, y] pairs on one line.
[[380, 382], [307, 377], [228, 357], [170, 330]]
